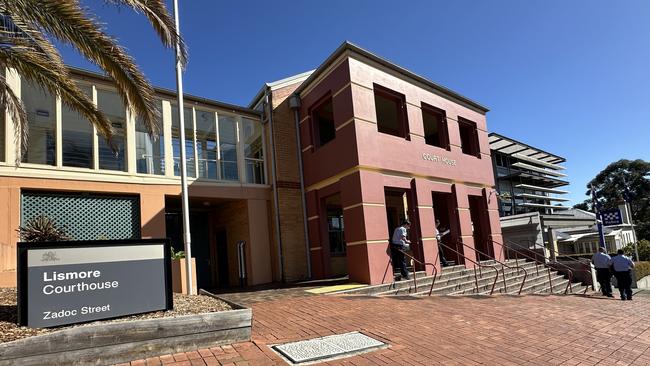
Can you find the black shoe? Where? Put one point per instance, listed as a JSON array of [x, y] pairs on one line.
[[610, 295], [629, 299], [623, 299], [407, 277]]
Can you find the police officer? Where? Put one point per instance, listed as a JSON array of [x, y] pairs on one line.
[[622, 267], [399, 242], [601, 261]]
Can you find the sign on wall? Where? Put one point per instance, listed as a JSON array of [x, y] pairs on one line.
[[611, 217], [78, 281]]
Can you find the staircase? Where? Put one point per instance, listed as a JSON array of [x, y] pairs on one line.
[[458, 280]]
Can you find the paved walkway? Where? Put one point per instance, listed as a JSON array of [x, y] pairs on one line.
[[501, 330]]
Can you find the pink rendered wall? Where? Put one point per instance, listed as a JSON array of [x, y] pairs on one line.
[[361, 161], [396, 153]]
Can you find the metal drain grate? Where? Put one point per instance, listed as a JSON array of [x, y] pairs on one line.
[[328, 347]]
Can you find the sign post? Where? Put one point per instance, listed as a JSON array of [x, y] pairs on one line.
[[62, 283], [599, 222]]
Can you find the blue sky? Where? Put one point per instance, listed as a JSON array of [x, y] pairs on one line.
[[570, 77]]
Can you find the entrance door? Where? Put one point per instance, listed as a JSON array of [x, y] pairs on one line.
[[480, 226], [336, 236], [200, 243], [199, 226], [222, 259], [444, 211], [400, 206]]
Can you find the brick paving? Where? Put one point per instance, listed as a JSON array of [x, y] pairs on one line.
[[500, 330]]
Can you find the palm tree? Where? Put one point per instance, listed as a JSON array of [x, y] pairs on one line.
[[26, 30]]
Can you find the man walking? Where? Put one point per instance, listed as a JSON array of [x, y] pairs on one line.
[[622, 267], [399, 242], [603, 274], [441, 251]]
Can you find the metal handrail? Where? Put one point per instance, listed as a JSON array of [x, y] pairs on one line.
[[434, 273], [480, 265], [557, 263], [570, 271], [505, 285], [537, 262]]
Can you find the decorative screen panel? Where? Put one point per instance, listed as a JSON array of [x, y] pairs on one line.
[[86, 216]]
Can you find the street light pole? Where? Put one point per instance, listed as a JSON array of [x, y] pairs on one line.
[[187, 238]]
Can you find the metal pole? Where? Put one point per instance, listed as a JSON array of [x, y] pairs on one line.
[[187, 238], [296, 114], [599, 222], [628, 213]]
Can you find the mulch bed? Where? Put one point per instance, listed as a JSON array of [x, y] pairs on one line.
[[183, 305]]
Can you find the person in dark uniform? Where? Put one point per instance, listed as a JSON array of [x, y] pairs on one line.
[[439, 235], [601, 261], [622, 267], [400, 242]]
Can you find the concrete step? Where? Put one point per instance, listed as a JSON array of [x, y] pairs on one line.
[[538, 283], [513, 280], [460, 280], [467, 283]]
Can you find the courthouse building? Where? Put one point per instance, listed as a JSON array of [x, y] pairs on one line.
[[313, 175]]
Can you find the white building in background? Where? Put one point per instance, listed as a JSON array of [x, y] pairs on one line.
[[581, 240]]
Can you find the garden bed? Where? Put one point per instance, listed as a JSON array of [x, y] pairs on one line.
[[183, 305], [196, 322]]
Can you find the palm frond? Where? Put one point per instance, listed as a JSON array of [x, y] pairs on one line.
[[161, 21], [16, 110], [37, 67], [67, 22]]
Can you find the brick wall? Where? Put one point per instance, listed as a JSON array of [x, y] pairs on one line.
[[288, 176]]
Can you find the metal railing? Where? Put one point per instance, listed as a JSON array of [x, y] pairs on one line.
[[476, 264], [583, 261], [434, 273], [503, 266], [549, 264], [506, 250]]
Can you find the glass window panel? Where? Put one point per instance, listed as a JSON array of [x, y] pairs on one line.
[[189, 141], [228, 147], [206, 139], [77, 136], [149, 152], [253, 152], [110, 103], [41, 115]]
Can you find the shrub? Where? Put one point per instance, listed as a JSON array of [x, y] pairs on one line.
[[644, 250], [641, 269], [42, 228], [177, 255]]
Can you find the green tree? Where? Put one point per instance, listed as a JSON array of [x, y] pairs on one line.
[[28, 28], [644, 250], [610, 184]]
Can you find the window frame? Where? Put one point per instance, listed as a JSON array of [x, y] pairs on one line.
[[315, 129], [443, 130], [402, 115], [475, 147]]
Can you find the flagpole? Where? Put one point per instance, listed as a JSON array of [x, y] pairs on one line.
[[187, 238], [599, 222], [628, 213]]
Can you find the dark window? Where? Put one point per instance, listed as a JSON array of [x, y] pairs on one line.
[[391, 112], [323, 120], [336, 230], [435, 126], [468, 137]]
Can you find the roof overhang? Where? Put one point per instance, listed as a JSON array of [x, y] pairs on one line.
[[517, 149]]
